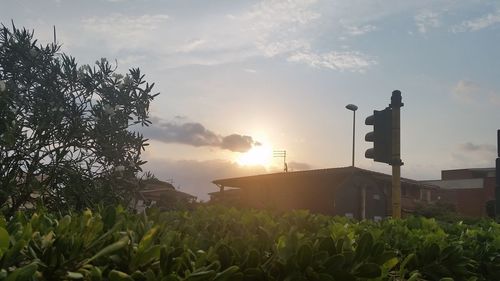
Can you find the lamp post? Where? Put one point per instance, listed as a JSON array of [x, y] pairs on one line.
[[353, 108]]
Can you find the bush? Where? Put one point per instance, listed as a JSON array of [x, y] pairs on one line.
[[64, 130], [218, 243]]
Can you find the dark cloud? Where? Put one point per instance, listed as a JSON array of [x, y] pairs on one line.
[[195, 177], [469, 146], [196, 134], [238, 143], [474, 155]]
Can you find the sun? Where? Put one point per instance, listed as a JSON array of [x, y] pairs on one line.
[[261, 155]]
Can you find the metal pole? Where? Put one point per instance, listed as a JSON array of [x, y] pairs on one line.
[[353, 108], [353, 135], [396, 154], [497, 178]]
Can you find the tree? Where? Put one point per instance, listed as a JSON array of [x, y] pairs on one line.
[[66, 136]]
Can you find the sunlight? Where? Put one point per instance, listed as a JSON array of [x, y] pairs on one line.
[[258, 155]]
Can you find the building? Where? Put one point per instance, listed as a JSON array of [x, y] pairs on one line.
[[468, 189], [162, 194], [347, 191]]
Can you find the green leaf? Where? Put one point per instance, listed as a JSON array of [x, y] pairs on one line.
[[110, 249], [365, 243], [203, 275], [414, 276], [368, 270], [4, 239], [95, 273], [24, 273], [335, 263], [139, 276], [327, 244], [227, 274], [147, 239], [304, 257], [325, 277], [148, 256], [390, 264], [74, 275], [115, 275]]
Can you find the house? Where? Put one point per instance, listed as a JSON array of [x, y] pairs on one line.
[[468, 189], [346, 191], [163, 194]]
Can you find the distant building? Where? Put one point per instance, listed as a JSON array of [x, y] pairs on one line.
[[161, 194], [468, 189], [347, 191]]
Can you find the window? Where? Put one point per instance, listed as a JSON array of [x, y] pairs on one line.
[[376, 197]]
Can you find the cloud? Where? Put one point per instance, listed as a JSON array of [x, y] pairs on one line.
[[289, 29], [238, 143], [266, 29], [474, 155], [125, 32], [471, 147], [354, 30], [495, 99], [195, 177], [467, 91], [195, 134], [192, 46], [478, 23], [425, 20], [350, 61]]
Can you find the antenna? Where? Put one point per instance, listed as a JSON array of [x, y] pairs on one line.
[[281, 154]]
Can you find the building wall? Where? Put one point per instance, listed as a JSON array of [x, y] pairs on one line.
[[456, 174], [376, 202], [332, 194], [468, 190], [321, 196]]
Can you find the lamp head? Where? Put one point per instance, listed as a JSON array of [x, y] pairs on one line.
[[351, 107]]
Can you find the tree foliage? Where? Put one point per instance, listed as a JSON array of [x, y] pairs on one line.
[[65, 130]]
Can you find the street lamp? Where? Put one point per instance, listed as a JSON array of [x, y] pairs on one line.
[[353, 108]]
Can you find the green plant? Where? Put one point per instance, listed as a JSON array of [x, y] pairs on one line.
[[64, 130], [218, 243]]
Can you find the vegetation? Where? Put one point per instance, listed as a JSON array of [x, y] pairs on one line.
[[64, 130], [216, 243]]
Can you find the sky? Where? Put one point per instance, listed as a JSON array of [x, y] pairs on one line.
[[240, 79]]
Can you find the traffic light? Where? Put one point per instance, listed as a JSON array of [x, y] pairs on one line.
[[381, 136]]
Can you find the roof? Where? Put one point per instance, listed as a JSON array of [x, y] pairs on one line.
[[473, 169], [458, 183], [157, 184], [338, 174], [226, 192], [157, 193], [154, 189]]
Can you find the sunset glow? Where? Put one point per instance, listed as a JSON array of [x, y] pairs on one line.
[[261, 155]]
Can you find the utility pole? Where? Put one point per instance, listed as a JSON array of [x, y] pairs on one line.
[[281, 154], [396, 153]]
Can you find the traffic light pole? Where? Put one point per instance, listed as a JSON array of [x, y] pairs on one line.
[[396, 153], [497, 176]]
